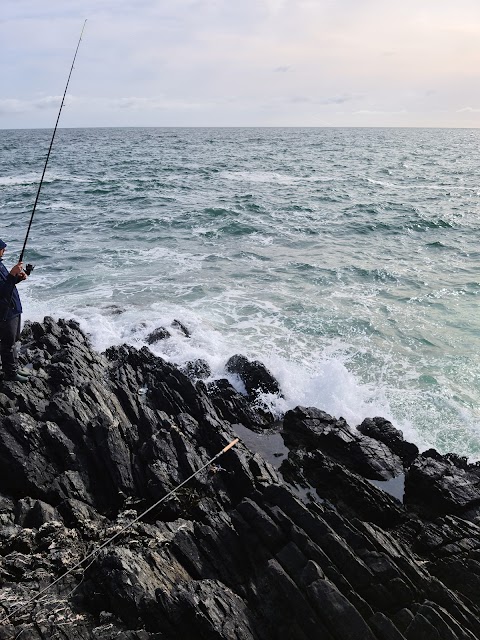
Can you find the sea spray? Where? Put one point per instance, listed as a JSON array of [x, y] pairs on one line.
[[346, 260]]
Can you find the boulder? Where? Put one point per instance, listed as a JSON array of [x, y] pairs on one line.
[[176, 324], [160, 333], [440, 485], [384, 431], [254, 375], [197, 369], [311, 429]]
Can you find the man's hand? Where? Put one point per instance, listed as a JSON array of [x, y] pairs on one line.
[[18, 272]]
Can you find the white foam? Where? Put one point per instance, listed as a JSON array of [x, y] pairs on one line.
[[29, 178], [319, 378], [324, 376], [181, 261], [34, 178], [269, 177], [416, 187]]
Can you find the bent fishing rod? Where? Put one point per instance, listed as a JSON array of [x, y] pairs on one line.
[[29, 268]]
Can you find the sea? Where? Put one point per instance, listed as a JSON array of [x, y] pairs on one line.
[[345, 259]]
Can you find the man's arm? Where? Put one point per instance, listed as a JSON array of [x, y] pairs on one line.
[[7, 285]]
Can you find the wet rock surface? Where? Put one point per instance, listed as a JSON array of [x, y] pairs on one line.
[[242, 551], [254, 375]]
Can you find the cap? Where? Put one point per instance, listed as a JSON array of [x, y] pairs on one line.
[[3, 245]]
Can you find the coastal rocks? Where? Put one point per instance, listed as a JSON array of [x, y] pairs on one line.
[[336, 484], [197, 369], [270, 568], [312, 429], [384, 431], [176, 324], [160, 333], [254, 375], [442, 484], [235, 408], [250, 409], [241, 551]]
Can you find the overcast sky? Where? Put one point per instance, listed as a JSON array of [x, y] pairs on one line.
[[241, 63]]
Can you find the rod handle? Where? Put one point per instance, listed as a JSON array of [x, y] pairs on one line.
[[232, 444]]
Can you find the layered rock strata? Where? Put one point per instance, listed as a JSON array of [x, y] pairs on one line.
[[310, 549]]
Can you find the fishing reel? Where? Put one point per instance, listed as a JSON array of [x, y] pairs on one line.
[[29, 268]]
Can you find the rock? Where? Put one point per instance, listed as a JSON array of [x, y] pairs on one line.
[[160, 333], [437, 484], [254, 375], [236, 408], [384, 431], [197, 369], [337, 484], [33, 513], [384, 628], [312, 429], [206, 609], [238, 551], [176, 324]]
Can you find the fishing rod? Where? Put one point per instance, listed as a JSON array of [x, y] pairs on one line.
[[128, 526], [29, 268]]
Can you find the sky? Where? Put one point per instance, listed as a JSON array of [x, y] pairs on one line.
[[315, 63]]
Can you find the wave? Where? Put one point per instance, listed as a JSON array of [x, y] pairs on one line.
[[325, 382], [271, 177], [434, 187], [238, 229], [276, 253], [424, 224], [313, 370], [34, 178]]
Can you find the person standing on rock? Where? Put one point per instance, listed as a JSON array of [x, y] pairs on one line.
[[10, 315]]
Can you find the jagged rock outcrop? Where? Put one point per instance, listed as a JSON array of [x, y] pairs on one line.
[[314, 430], [254, 375], [162, 333], [384, 431], [197, 369], [243, 551]]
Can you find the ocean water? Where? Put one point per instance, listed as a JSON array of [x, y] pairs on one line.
[[346, 260]]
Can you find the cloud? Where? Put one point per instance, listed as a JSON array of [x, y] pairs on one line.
[[468, 110], [196, 62], [11, 105], [336, 100], [379, 112], [325, 101], [133, 103], [14, 105], [148, 104], [51, 102]]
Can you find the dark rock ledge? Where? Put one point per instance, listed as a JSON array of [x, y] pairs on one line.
[[241, 552]]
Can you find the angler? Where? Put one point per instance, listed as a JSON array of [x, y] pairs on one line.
[[10, 305], [10, 317]]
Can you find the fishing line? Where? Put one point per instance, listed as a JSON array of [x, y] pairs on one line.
[[125, 528], [50, 149]]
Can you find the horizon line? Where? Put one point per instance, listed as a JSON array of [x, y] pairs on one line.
[[297, 126]]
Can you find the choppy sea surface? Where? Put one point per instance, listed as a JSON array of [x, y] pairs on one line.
[[346, 260]]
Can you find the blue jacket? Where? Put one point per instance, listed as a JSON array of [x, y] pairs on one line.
[[10, 305]]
